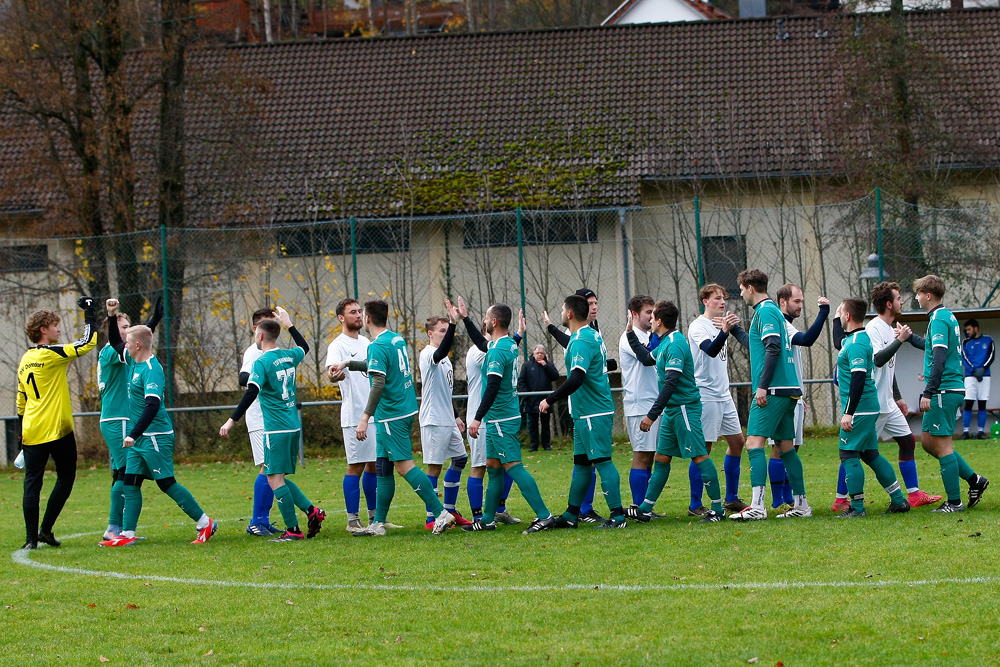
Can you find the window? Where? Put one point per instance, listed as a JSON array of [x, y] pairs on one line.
[[336, 240], [566, 227], [724, 257], [19, 258]]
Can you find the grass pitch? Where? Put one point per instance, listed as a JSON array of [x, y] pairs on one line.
[[911, 589]]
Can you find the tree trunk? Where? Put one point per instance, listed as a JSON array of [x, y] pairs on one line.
[[268, 34], [470, 14]]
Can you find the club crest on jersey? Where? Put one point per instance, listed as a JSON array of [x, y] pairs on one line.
[[767, 328], [858, 362], [675, 361]]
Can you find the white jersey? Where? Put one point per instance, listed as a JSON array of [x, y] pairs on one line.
[[254, 417], [355, 388], [638, 381], [881, 335], [796, 351], [436, 408], [711, 374], [473, 372]]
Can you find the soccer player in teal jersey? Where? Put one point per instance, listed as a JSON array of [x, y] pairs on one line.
[[393, 403], [593, 412], [943, 396], [112, 382], [679, 401], [150, 442], [776, 389], [272, 381], [859, 402], [501, 411]]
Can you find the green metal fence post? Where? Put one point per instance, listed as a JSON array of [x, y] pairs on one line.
[[520, 265], [354, 255], [166, 314], [878, 233], [622, 222], [697, 240]]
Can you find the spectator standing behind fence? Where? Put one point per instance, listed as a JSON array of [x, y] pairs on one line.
[[537, 374]]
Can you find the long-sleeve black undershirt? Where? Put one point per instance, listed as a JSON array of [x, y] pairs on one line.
[[771, 355], [489, 396], [249, 396], [741, 336], [937, 370], [478, 339], [640, 351], [572, 383], [666, 391], [713, 347], [146, 418], [445, 347], [857, 388], [811, 335]]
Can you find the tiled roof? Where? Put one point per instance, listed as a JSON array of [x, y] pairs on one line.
[[386, 126]]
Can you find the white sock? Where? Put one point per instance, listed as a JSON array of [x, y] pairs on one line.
[[912, 489], [801, 502], [842, 496], [203, 521], [128, 533], [757, 499]]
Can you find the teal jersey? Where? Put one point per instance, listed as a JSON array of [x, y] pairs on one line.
[[147, 379], [857, 354], [501, 359], [273, 373], [674, 354], [112, 382], [768, 322], [389, 356], [586, 351], [943, 331]]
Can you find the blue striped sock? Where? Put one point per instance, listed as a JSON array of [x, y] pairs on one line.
[[452, 483], [697, 487], [474, 486]]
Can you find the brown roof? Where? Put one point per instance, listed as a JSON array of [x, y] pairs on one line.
[[549, 118]]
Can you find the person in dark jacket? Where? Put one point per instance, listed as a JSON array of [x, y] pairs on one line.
[[537, 374]]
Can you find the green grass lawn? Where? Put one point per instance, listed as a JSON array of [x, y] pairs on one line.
[[902, 590]]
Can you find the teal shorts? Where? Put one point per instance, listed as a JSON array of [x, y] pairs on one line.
[[502, 442], [281, 452], [680, 432], [392, 439], [776, 420], [863, 437], [114, 433], [940, 419], [592, 436], [152, 457]]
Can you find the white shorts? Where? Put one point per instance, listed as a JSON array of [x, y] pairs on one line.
[[719, 418], [257, 447], [977, 391], [892, 424], [359, 451], [440, 443], [642, 442], [477, 448]]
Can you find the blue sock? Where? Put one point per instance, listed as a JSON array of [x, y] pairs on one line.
[[908, 471], [352, 493], [474, 486], [842, 481], [434, 485], [508, 482], [369, 481], [263, 498], [981, 420], [638, 480], [731, 470], [588, 500], [787, 489], [697, 487], [966, 419], [452, 483], [776, 473]]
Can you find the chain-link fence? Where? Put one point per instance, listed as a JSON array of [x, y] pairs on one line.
[[213, 279]]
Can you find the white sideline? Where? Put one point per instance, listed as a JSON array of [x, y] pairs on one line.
[[23, 557]]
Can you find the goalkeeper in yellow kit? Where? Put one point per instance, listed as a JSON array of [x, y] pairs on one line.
[[46, 413]]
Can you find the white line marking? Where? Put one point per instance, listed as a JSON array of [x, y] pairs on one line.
[[23, 557]]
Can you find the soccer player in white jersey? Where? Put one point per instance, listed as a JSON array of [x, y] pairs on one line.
[[791, 301], [474, 359], [708, 337], [886, 336], [263, 496], [440, 426], [640, 391], [350, 345]]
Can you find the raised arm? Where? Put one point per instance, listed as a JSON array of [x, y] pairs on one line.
[[811, 335]]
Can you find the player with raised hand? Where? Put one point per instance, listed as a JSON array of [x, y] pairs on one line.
[[112, 382], [592, 410], [393, 403], [501, 413], [640, 389], [272, 380], [474, 359], [440, 426], [150, 442], [45, 414]]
